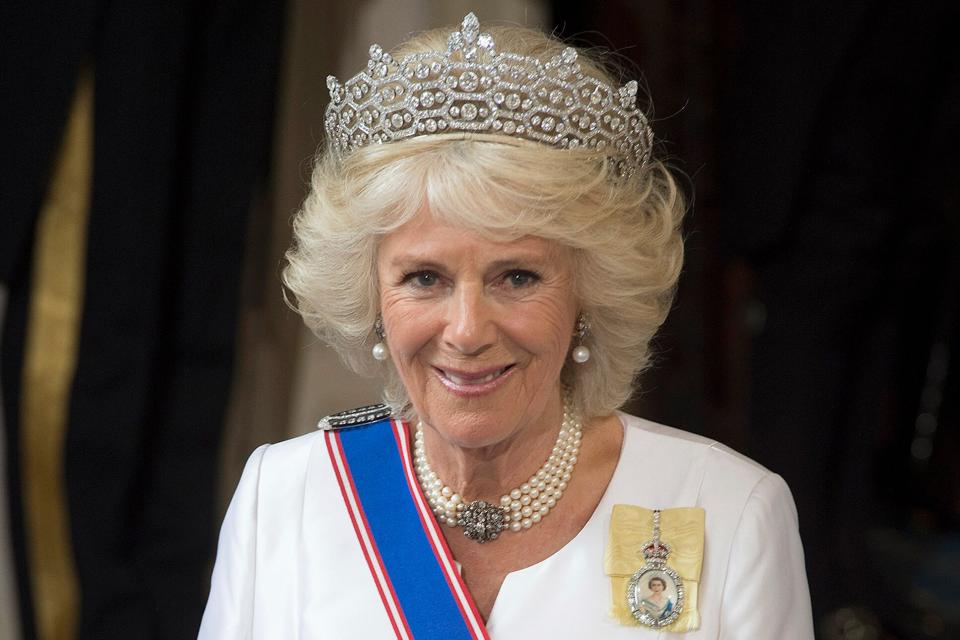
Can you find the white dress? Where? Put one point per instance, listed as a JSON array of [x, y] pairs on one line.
[[289, 566]]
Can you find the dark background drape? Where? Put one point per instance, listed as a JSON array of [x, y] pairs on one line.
[[817, 322], [184, 96]]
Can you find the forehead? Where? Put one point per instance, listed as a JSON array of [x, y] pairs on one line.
[[425, 238]]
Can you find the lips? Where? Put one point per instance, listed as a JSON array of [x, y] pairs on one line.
[[473, 382], [471, 379]]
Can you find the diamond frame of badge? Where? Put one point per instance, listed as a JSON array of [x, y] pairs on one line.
[[633, 602], [474, 88]]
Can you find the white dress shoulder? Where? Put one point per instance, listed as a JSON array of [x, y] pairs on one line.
[[288, 563]]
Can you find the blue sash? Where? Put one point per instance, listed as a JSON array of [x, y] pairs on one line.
[[414, 572]]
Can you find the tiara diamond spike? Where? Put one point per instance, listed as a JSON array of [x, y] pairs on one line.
[[471, 87], [469, 41]]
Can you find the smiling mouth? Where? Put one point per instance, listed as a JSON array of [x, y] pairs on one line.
[[473, 381]]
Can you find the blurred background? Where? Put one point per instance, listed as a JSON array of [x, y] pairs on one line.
[[154, 153]]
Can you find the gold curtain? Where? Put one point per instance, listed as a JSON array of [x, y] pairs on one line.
[[50, 357]]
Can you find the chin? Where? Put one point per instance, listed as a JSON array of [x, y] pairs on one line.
[[472, 422], [472, 428]]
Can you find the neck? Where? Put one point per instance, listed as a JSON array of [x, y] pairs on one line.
[[486, 473]]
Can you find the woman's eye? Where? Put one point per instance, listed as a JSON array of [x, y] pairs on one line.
[[422, 278], [520, 278]]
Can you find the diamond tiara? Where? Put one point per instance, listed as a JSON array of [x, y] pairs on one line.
[[472, 89]]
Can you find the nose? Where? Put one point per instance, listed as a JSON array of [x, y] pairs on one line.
[[470, 324]]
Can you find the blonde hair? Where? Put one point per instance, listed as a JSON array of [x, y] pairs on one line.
[[624, 234]]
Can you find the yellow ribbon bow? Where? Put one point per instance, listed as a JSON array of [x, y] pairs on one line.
[[630, 528]]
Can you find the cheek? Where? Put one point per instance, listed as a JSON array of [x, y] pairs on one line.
[[409, 325], [543, 327]]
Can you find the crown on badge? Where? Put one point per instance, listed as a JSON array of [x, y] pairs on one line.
[[472, 88], [656, 552]]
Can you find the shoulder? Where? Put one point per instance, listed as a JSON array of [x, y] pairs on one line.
[[675, 442], [290, 462], [285, 458], [289, 454], [275, 476], [739, 494], [702, 470]]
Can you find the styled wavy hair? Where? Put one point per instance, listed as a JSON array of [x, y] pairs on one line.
[[625, 234]]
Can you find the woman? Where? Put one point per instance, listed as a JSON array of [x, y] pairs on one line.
[[486, 230], [657, 603]]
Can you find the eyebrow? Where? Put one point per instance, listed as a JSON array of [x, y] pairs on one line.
[[519, 260], [430, 263], [406, 259]]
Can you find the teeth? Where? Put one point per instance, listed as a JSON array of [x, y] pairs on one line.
[[476, 381]]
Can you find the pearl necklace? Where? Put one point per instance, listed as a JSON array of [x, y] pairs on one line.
[[520, 508]]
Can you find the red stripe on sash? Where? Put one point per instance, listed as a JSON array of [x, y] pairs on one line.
[[439, 544], [367, 544]]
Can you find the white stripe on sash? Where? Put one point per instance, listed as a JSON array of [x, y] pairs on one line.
[[368, 546], [437, 541]]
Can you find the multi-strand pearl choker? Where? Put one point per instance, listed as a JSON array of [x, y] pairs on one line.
[[520, 508]]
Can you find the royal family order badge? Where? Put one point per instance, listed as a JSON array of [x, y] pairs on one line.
[[655, 592]]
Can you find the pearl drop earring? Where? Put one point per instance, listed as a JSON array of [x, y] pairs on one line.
[[379, 350], [581, 353]]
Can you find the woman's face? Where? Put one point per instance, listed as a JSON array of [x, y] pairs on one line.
[[656, 586], [477, 329]]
